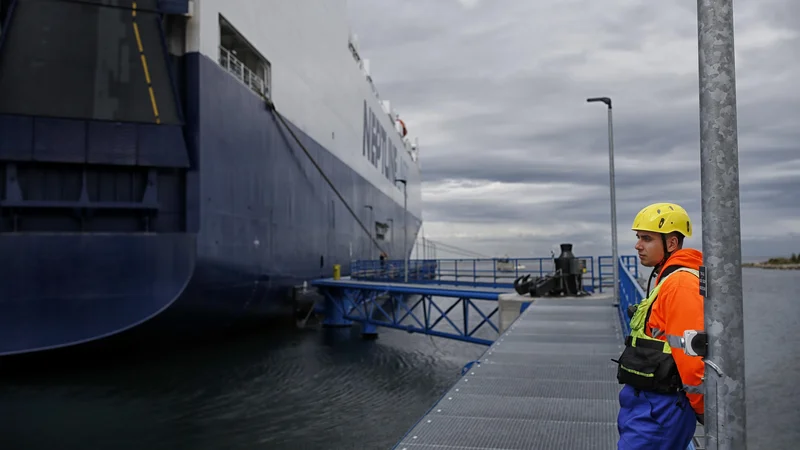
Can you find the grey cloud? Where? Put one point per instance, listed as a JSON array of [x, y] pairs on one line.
[[592, 206], [522, 246], [779, 12], [538, 170], [482, 211], [778, 197], [514, 108]]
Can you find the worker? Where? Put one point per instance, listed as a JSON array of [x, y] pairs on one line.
[[383, 257], [662, 396]]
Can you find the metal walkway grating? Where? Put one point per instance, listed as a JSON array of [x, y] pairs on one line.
[[547, 383]]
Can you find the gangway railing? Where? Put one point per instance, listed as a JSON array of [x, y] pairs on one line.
[[476, 272], [630, 291], [375, 294], [605, 269], [499, 273]]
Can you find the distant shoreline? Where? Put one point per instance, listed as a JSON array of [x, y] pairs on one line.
[[770, 266]]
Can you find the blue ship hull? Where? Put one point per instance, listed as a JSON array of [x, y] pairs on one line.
[[212, 218]]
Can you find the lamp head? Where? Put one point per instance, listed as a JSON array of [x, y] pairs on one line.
[[605, 100]]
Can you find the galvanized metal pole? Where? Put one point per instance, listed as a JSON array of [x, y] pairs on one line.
[[612, 183], [725, 389], [612, 187]]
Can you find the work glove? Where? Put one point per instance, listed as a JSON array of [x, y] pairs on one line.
[[701, 418]]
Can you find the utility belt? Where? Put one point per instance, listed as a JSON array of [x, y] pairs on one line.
[[645, 366]]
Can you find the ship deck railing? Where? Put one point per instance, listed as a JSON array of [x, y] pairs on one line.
[[238, 69]]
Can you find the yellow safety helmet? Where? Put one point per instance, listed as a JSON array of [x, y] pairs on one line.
[[663, 218]]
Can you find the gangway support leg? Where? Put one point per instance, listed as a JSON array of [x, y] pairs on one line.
[[336, 305], [369, 331]]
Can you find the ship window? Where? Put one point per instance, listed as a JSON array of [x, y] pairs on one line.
[[380, 231], [242, 60], [3, 12]]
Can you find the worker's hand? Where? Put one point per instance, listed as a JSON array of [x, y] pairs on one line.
[[701, 418]]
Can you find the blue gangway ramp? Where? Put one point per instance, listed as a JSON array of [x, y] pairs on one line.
[[548, 382]]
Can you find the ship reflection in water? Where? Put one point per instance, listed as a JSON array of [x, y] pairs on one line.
[[290, 389]]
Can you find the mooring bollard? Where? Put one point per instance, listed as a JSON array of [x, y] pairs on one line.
[[337, 271]]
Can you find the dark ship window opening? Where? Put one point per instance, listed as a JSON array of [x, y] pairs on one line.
[[3, 13], [242, 60], [380, 231]]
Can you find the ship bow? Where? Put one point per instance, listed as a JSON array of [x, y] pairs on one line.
[[66, 289]]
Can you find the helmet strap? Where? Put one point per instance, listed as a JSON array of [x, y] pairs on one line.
[[666, 253], [653, 275], [663, 260]]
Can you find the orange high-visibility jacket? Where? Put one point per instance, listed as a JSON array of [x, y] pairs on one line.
[[679, 307]]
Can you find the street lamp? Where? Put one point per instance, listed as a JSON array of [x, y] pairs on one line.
[[405, 226], [614, 254], [369, 230]]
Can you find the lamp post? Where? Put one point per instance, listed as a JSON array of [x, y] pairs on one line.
[[405, 227], [371, 226], [614, 253]]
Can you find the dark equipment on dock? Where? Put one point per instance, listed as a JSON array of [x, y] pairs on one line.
[[567, 279]]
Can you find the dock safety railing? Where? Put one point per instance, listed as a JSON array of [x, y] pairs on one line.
[[482, 272], [501, 273], [490, 272], [605, 270], [630, 290]]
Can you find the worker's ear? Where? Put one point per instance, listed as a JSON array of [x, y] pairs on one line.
[[673, 243]]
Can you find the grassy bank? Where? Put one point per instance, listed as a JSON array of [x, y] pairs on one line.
[[790, 263]]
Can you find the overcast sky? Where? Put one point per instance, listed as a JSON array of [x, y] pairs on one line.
[[515, 161]]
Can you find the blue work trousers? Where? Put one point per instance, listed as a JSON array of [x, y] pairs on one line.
[[653, 421]]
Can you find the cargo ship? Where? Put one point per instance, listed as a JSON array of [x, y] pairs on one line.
[[187, 163]]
